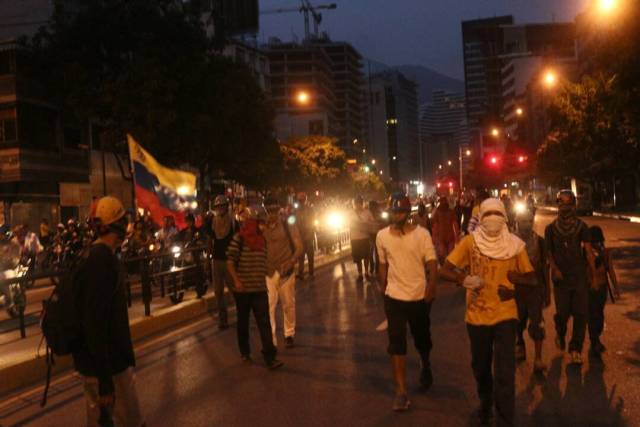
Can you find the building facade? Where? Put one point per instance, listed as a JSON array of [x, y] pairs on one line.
[[394, 143]]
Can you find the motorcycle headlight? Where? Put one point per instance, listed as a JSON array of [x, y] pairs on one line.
[[335, 220], [520, 208]]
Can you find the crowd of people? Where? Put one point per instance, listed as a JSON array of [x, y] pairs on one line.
[[259, 250]]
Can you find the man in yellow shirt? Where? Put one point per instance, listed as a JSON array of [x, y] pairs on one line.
[[489, 263]]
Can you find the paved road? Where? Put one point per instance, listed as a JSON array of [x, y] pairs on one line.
[[339, 375]]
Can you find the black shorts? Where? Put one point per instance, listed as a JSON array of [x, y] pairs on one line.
[[360, 249], [416, 314]]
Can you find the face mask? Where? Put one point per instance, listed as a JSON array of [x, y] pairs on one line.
[[566, 211], [493, 225]]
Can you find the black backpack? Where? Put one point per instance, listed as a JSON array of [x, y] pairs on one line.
[[60, 325]]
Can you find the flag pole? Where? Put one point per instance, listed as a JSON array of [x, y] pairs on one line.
[[132, 171]]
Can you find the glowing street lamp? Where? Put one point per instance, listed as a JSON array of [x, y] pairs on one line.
[[550, 78], [607, 6], [467, 153], [495, 132], [519, 111], [449, 162], [373, 161], [303, 97]]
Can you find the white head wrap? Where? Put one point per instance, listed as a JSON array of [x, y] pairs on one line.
[[502, 245]]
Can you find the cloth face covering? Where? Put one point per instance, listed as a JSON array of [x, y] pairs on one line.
[[250, 232], [492, 236], [567, 223]]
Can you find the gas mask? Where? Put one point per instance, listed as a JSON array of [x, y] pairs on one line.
[[493, 225]]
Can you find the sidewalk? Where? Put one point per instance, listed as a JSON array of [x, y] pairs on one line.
[[623, 216], [22, 362]]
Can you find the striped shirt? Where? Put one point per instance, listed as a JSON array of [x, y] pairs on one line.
[[251, 266]]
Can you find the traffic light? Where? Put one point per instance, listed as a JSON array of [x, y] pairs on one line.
[[450, 184], [493, 160], [522, 159]]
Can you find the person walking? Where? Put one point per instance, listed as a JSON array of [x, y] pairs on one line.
[[406, 254], [106, 359], [605, 276], [531, 300], [223, 229], [284, 247], [305, 220], [445, 229], [421, 217], [247, 266], [572, 264], [361, 224], [497, 261]]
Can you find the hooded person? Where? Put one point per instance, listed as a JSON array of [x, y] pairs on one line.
[[572, 263], [497, 261]]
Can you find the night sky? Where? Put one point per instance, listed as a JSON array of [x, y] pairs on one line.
[[420, 32]]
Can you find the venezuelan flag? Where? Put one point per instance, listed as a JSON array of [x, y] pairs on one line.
[[160, 190]]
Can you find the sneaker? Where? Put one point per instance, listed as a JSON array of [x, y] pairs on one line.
[[288, 342], [274, 364], [560, 343], [521, 352], [576, 358], [426, 378], [401, 403], [539, 366]]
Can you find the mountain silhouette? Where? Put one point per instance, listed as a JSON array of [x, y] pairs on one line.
[[426, 78]]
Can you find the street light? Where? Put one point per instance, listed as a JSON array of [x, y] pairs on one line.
[[607, 6], [495, 132], [303, 97], [550, 78], [467, 153], [373, 162], [519, 111], [449, 162], [355, 141], [366, 169], [439, 166]]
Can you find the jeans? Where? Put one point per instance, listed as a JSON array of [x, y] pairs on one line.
[[220, 279], [495, 346], [126, 411], [258, 302], [597, 301], [572, 302], [284, 290], [309, 252]]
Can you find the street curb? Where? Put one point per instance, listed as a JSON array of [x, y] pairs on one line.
[[34, 370]]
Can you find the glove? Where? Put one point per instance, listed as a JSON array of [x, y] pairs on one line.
[[473, 283]]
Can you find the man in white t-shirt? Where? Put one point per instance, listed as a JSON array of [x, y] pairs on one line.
[[406, 255]]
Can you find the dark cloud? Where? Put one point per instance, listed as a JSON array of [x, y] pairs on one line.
[[423, 32]]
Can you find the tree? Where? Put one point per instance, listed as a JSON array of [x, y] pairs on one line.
[[314, 162], [587, 137], [146, 68]]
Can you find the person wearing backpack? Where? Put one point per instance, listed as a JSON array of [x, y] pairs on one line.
[[247, 266], [106, 359], [284, 247], [598, 292]]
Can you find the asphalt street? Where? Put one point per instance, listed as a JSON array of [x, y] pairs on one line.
[[338, 374]]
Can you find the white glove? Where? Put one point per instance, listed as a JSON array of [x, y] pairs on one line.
[[473, 283]]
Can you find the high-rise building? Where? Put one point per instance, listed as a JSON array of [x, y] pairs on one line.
[[316, 88], [393, 128], [254, 58], [483, 42], [443, 131], [302, 89], [348, 81]]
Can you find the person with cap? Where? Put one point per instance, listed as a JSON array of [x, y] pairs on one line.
[[445, 228], [223, 228], [247, 266], [572, 264], [106, 359], [361, 224], [531, 300], [284, 247], [496, 261], [305, 220], [407, 271]]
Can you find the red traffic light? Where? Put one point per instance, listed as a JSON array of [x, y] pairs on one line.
[[438, 185], [522, 159], [450, 184]]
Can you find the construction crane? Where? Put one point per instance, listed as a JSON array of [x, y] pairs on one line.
[[305, 8]]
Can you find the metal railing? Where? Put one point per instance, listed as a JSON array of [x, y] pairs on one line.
[[154, 275]]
